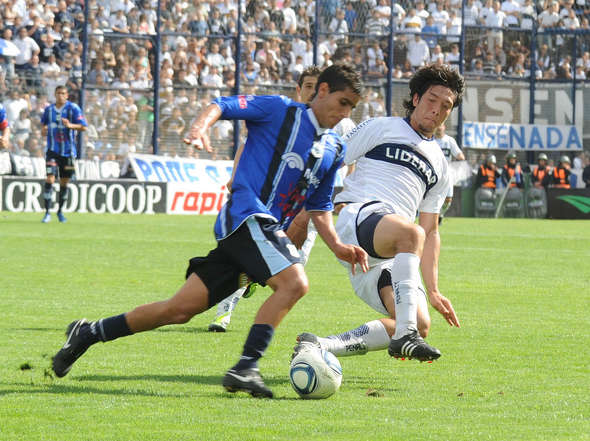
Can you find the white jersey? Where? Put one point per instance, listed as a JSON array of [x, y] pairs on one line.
[[449, 147], [344, 126], [395, 165]]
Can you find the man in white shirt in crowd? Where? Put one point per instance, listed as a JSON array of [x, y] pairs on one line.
[[418, 52], [496, 19]]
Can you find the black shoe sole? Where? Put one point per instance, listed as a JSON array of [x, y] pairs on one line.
[[232, 385]]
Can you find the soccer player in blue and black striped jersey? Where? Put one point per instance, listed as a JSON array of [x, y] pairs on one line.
[[5, 128], [61, 122], [289, 162]]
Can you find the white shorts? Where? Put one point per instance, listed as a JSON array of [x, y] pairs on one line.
[[365, 285]]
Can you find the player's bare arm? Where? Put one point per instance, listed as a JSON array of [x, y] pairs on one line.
[[237, 157], [197, 134], [349, 253], [297, 231], [429, 268], [5, 139], [69, 125]]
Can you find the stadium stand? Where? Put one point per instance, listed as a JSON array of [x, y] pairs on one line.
[[117, 74]]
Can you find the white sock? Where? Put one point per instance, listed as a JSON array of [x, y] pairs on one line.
[[406, 281], [371, 336], [227, 305]]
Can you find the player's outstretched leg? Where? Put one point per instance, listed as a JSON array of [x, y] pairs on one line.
[[370, 336], [81, 334]]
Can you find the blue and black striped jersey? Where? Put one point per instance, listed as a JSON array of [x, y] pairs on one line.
[[60, 139], [3, 120], [288, 162]]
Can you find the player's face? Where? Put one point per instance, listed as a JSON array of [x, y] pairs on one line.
[[432, 109], [61, 96], [331, 108], [307, 90]]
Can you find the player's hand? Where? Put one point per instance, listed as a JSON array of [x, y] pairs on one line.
[[198, 138], [444, 306], [353, 255], [66, 123], [3, 143]]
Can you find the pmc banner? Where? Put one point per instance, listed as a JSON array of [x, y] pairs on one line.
[[152, 168]]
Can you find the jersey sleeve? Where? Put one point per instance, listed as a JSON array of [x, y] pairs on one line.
[[345, 126], [361, 139], [455, 150], [77, 116], [250, 107]]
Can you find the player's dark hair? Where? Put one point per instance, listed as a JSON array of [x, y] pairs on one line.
[[311, 71], [340, 76], [61, 87], [435, 75]]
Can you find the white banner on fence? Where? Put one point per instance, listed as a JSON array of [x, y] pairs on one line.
[[151, 168], [5, 165], [521, 137], [94, 170]]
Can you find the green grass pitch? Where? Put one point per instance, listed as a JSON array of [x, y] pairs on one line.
[[517, 369]]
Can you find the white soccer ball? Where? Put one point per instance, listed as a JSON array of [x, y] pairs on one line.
[[315, 373]]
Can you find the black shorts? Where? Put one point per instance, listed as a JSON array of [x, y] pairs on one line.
[[365, 231], [59, 166], [258, 248]]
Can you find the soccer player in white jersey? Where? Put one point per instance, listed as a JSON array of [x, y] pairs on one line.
[[451, 150], [305, 90], [400, 170]]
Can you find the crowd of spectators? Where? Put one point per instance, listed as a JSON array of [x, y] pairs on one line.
[[198, 55]]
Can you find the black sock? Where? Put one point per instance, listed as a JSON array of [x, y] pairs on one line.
[[48, 189], [111, 328], [258, 340], [63, 197]]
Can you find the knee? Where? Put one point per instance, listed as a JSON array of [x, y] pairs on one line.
[[297, 287], [414, 238], [178, 315]]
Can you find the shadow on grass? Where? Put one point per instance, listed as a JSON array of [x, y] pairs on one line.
[[72, 389], [184, 329], [196, 379], [61, 330]]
